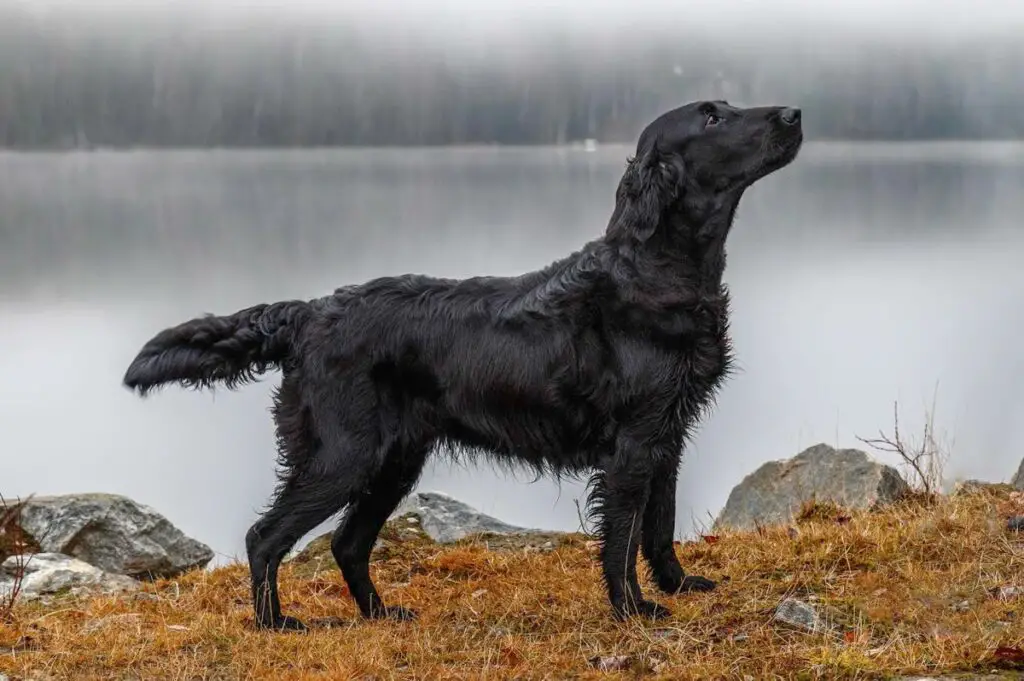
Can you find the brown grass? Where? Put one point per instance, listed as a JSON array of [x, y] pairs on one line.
[[912, 586]]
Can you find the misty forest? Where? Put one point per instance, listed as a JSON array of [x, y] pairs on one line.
[[178, 83]]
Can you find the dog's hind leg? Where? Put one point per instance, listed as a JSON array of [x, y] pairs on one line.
[[302, 503], [323, 470], [619, 499], [353, 540], [658, 528]]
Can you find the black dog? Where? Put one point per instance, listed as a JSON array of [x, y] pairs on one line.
[[603, 361]]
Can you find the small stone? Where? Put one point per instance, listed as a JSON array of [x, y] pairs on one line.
[[962, 606], [1015, 524], [740, 638], [1007, 593], [800, 615], [611, 663], [412, 520]]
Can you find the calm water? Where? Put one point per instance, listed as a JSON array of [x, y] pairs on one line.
[[861, 275]]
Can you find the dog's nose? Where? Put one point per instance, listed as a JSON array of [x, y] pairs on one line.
[[790, 116]]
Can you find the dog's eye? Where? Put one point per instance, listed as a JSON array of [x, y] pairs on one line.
[[711, 120]]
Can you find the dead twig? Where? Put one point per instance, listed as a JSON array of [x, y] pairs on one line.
[[925, 459]]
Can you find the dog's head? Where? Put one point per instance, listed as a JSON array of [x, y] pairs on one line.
[[699, 158]]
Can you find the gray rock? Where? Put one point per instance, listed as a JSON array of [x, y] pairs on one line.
[[1007, 593], [446, 519], [1015, 524], [776, 490], [49, 573], [1018, 479], [113, 533], [800, 615]]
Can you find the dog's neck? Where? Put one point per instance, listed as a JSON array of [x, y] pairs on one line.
[[709, 233], [690, 245]]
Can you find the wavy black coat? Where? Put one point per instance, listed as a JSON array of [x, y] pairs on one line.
[[601, 363]]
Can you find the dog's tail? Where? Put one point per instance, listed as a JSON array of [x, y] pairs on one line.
[[231, 350]]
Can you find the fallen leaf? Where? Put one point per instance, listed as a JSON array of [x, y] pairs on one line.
[[709, 538], [1008, 654], [850, 637]]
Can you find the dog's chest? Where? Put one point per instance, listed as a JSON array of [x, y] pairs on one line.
[[704, 359]]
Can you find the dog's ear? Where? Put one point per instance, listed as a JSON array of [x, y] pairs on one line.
[[649, 186]]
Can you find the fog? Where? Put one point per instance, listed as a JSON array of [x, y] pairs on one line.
[[862, 275], [882, 266]]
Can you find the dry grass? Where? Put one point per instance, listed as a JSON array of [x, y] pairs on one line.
[[912, 585]]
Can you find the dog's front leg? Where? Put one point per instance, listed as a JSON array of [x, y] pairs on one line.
[[658, 530], [620, 496]]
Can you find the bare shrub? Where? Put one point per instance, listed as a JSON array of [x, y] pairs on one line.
[[924, 459], [14, 542]]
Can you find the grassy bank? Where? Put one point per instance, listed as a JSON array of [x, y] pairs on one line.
[[915, 588]]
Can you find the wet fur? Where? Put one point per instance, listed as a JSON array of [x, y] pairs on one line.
[[601, 363]]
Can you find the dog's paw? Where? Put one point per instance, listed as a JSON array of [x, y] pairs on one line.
[[669, 581], [648, 609], [695, 583]]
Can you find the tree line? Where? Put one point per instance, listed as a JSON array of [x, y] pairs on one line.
[[64, 85]]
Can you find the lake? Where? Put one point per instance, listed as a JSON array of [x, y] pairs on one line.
[[861, 275]]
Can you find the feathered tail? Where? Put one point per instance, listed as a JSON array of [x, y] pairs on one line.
[[231, 350]]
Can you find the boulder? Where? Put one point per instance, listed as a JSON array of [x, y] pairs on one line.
[[113, 533], [425, 520], [446, 519], [49, 573], [1018, 478], [776, 490]]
